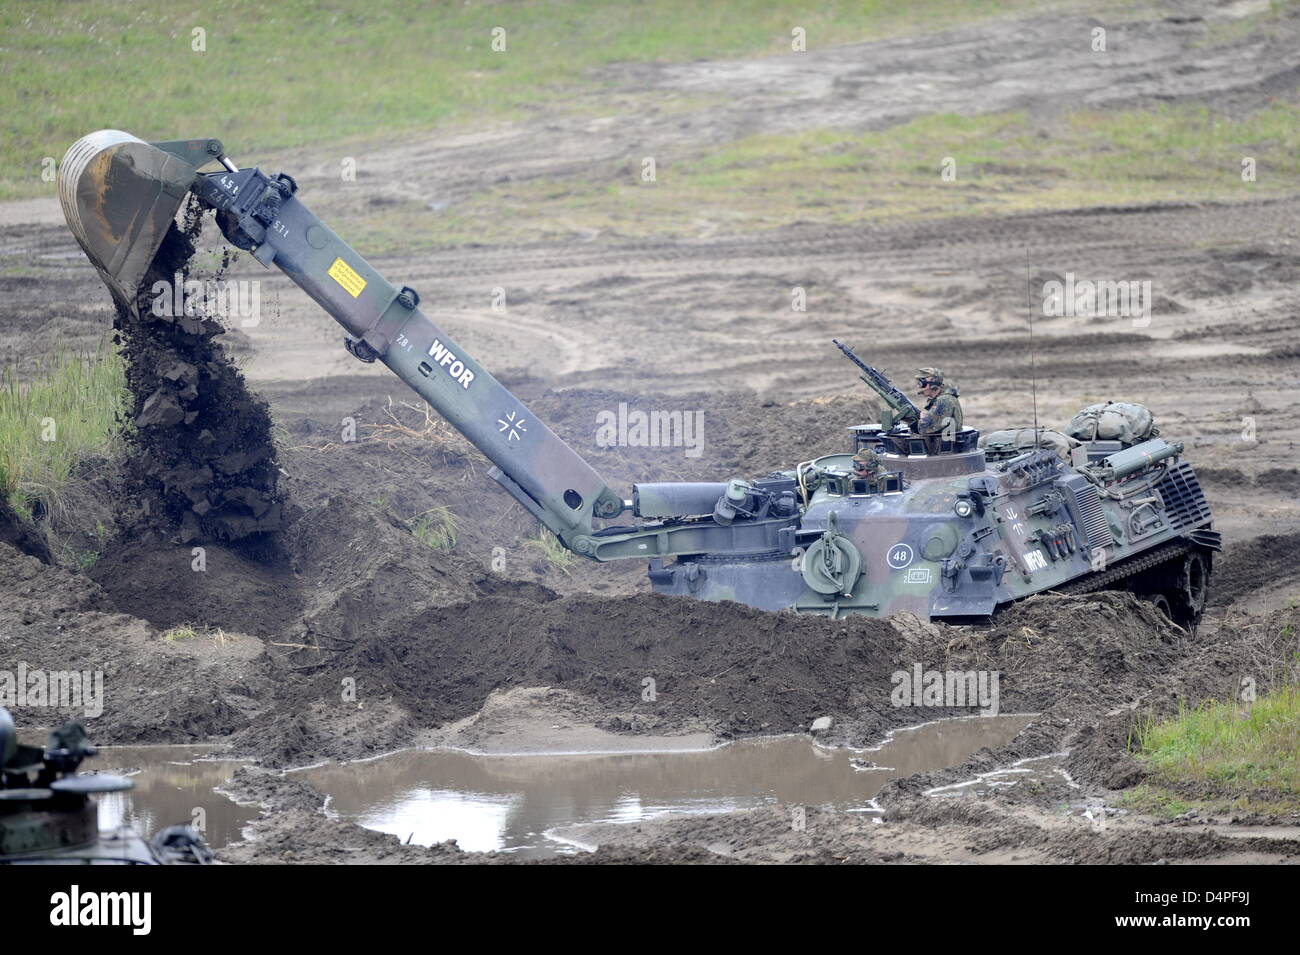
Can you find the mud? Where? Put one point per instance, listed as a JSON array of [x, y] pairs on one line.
[[528, 804], [1088, 665], [203, 465], [1254, 565]]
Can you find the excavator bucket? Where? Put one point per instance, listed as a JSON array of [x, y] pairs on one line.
[[120, 194]]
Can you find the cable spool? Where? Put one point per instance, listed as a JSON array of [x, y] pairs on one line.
[[831, 565]]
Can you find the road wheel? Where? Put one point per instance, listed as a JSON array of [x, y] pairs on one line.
[[1162, 603], [1187, 597]]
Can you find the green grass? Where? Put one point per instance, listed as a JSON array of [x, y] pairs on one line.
[[1229, 745], [185, 631], [437, 527], [296, 72], [63, 413], [1154, 801], [547, 546], [1004, 163]]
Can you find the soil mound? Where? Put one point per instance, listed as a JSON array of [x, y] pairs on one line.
[[362, 570], [169, 585], [147, 689], [650, 663]]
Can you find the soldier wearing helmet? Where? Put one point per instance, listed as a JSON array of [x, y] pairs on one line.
[[868, 466], [942, 412]]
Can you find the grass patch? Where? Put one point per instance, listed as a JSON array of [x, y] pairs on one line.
[[437, 527], [190, 631], [546, 545], [1004, 163], [63, 413], [1229, 745], [1154, 801], [185, 631], [302, 72]]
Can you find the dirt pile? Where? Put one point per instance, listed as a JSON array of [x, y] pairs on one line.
[[202, 466], [655, 664], [361, 570], [347, 567], [168, 585], [135, 685]]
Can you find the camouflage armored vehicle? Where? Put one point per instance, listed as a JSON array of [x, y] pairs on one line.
[[48, 814], [949, 529], [955, 530]]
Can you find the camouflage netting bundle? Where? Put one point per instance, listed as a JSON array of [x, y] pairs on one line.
[[202, 465], [1114, 421], [1012, 441]]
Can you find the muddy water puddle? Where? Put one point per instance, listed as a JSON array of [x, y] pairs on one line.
[[174, 785], [523, 803]]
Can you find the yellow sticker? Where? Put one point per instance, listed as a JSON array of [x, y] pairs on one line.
[[347, 276]]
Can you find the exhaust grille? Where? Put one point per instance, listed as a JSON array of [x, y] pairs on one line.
[[1091, 515], [1185, 502]]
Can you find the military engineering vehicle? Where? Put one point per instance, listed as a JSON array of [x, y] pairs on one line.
[[951, 530]]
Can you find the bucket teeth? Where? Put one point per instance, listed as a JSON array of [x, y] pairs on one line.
[[119, 195]]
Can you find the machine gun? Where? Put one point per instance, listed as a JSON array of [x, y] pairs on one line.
[[904, 412]]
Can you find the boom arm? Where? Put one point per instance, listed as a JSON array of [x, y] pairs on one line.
[[533, 463], [120, 196]]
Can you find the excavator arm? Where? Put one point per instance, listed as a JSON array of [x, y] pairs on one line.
[[119, 196], [262, 214]]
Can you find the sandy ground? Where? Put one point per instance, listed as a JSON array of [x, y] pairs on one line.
[[450, 650]]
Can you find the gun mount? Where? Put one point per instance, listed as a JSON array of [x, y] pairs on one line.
[[904, 411]]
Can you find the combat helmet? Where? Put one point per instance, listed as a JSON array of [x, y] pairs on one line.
[[929, 376]]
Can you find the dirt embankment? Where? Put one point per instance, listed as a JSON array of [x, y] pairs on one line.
[[420, 637]]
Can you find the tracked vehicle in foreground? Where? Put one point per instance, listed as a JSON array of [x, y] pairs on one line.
[[953, 529], [49, 815]]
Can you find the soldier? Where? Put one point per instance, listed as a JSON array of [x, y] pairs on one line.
[[942, 414], [868, 466]]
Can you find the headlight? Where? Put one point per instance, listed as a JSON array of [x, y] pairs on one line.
[[963, 507]]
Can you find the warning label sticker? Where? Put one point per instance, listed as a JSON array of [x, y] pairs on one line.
[[347, 276]]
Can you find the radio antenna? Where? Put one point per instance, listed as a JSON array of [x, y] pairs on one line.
[[1033, 376]]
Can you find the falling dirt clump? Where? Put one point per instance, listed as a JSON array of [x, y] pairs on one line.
[[202, 466]]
